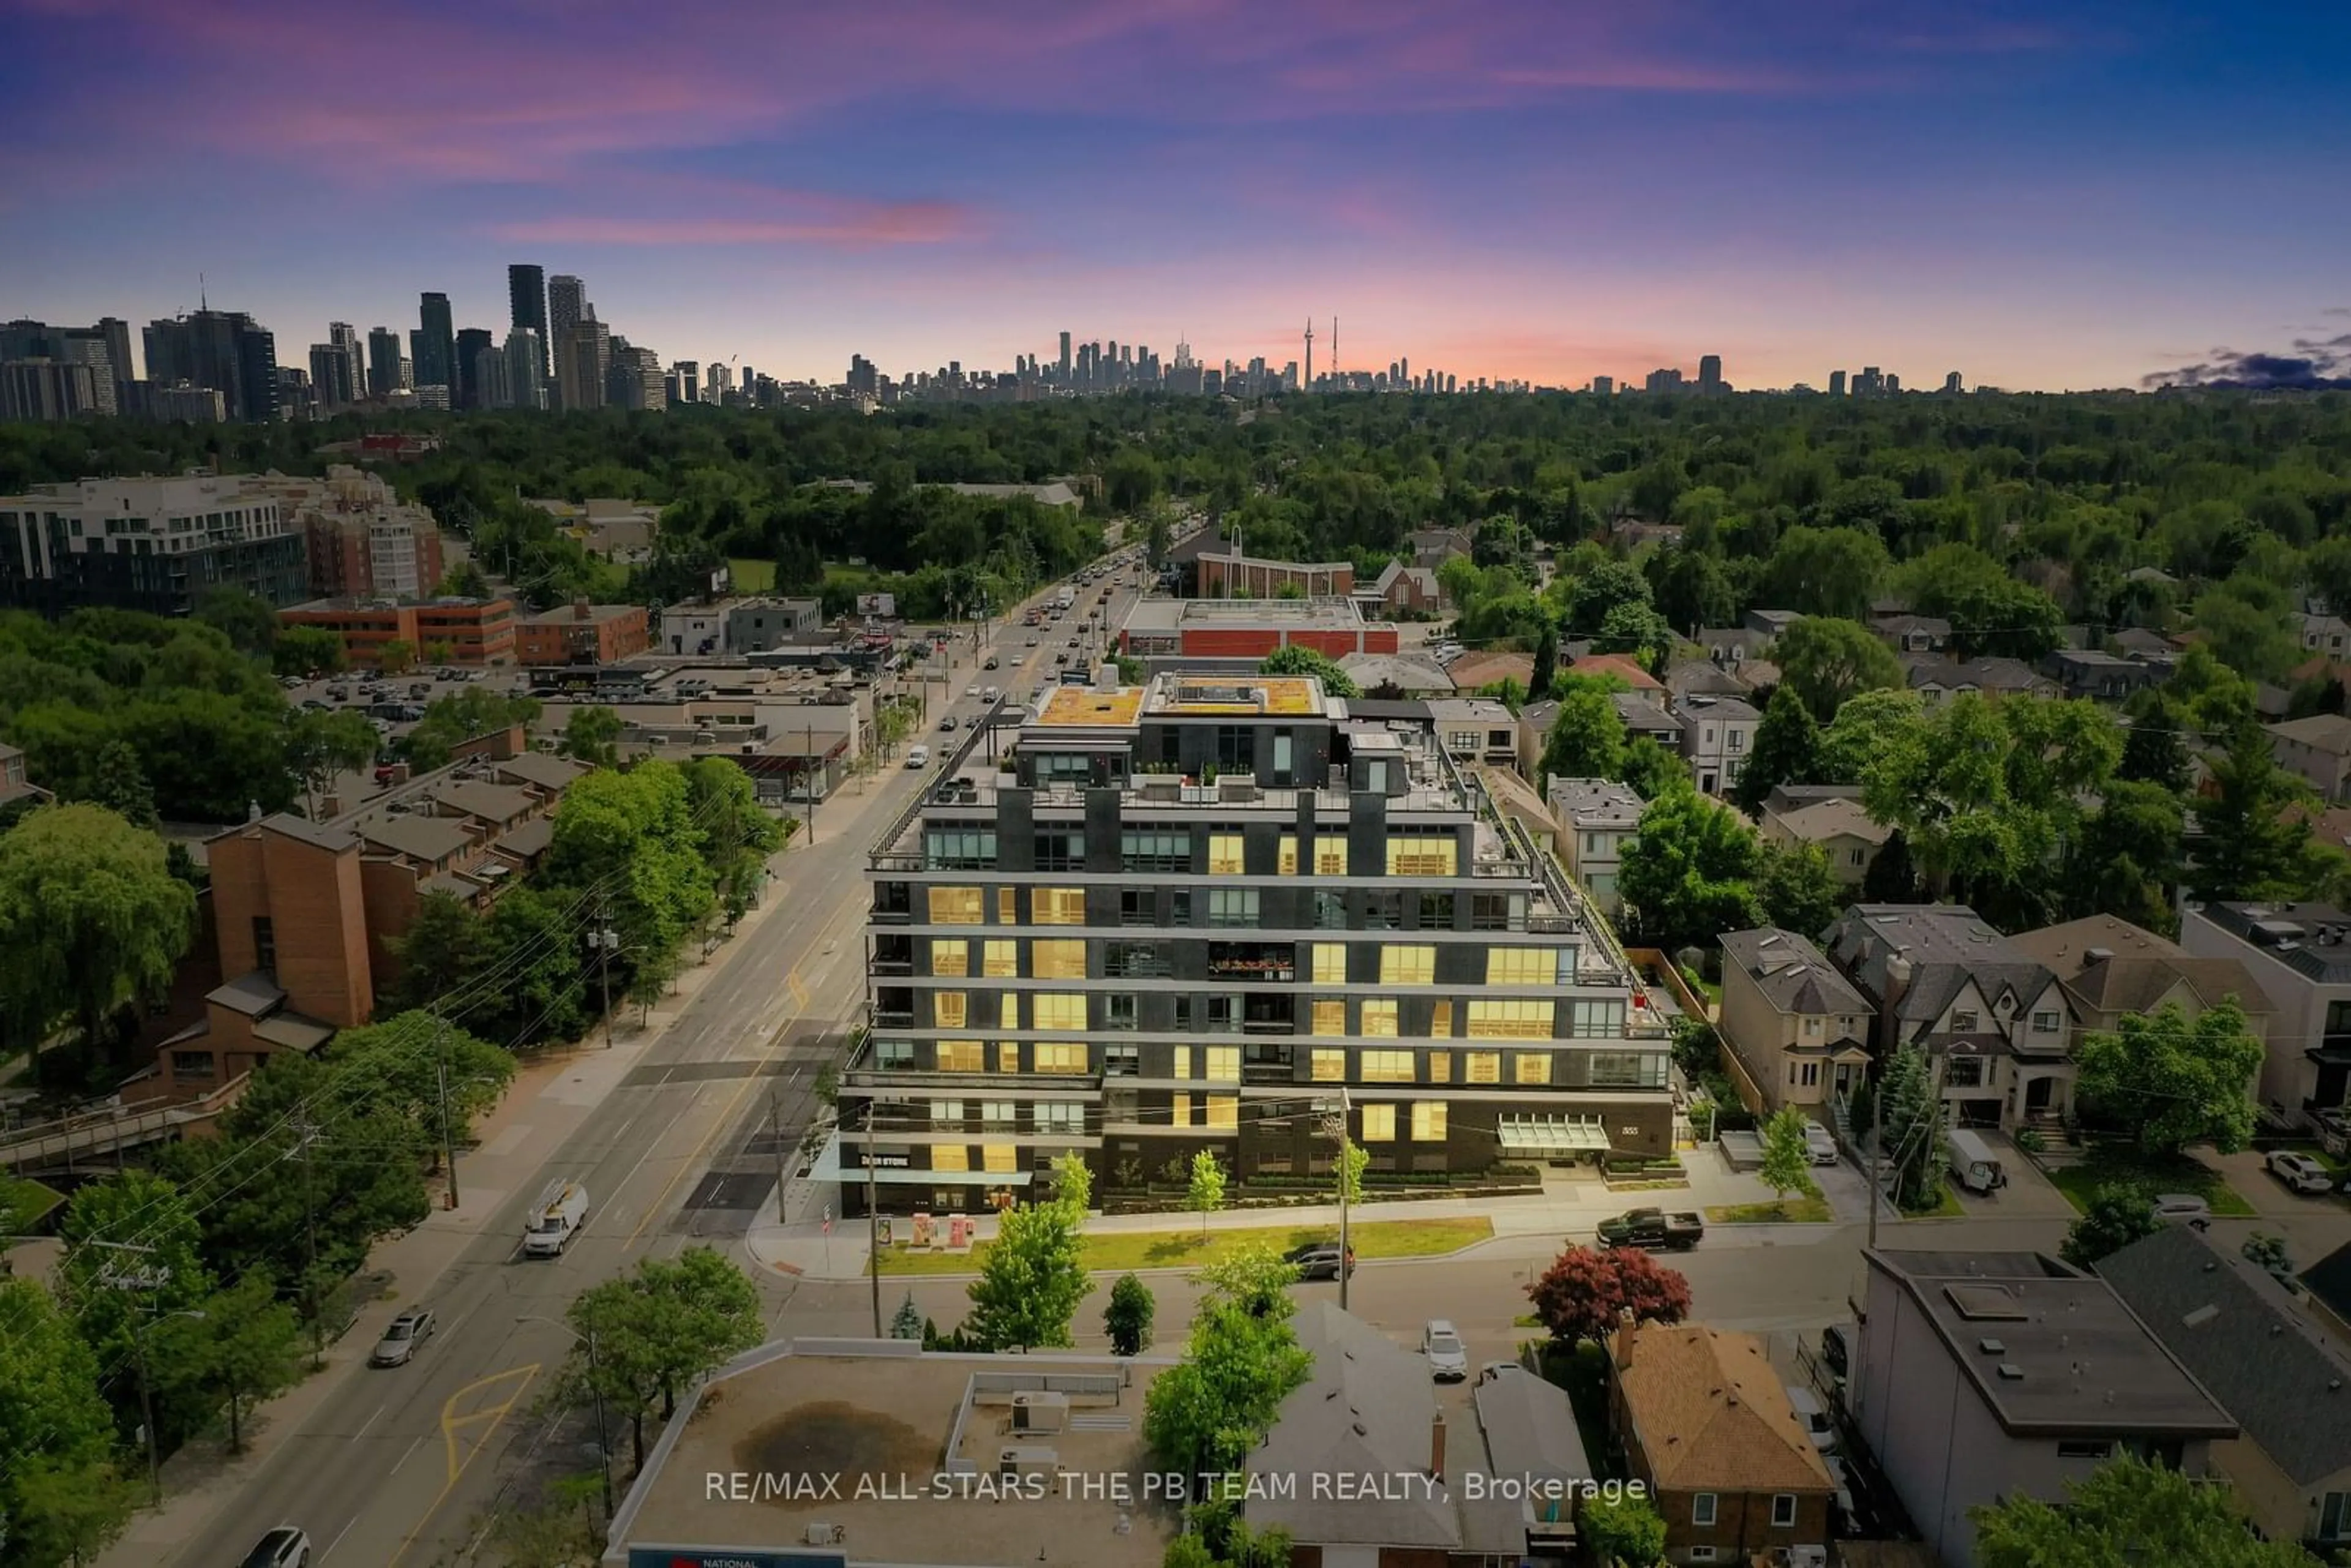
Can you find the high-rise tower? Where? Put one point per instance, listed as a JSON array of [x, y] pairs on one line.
[[527, 299], [436, 344]]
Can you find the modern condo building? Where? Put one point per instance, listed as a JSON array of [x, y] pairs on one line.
[[1205, 914]]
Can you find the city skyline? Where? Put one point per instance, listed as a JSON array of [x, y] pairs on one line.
[[1518, 194]]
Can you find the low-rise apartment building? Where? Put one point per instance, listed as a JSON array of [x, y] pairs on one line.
[[470, 631], [1797, 1028], [1705, 1424], [308, 916], [1250, 628], [1994, 1021], [1984, 1375], [364, 540], [146, 544], [1194, 915], [581, 633], [2300, 957]]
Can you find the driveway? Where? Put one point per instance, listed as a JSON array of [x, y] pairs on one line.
[[2029, 1195]]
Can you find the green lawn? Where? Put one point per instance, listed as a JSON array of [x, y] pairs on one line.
[[2110, 1163], [1795, 1212], [1947, 1207], [751, 574], [1119, 1251]]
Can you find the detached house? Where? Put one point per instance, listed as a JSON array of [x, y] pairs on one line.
[[1992, 1020], [1849, 836], [1706, 1424], [2299, 955], [2110, 969], [2318, 749], [1718, 734], [1797, 1028]]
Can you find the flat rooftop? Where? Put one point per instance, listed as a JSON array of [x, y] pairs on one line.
[[777, 1453], [1328, 612], [2052, 1352], [1177, 696]]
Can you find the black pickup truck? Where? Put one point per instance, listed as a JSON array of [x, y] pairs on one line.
[[1655, 1229]]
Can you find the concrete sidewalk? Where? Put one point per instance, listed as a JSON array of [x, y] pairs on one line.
[[553, 1093], [1570, 1207]]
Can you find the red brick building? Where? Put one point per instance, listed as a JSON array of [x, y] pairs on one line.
[[466, 631], [1250, 628], [583, 633], [1247, 577]]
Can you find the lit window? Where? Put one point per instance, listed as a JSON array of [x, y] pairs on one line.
[[1179, 1061], [951, 958], [955, 906], [1179, 1110], [1420, 857], [1007, 906], [1440, 1021], [1068, 1056], [1328, 1066], [950, 1158], [1380, 1019], [1058, 960], [1407, 965], [999, 1157], [1428, 1120], [1379, 1123], [1286, 859], [961, 1056], [1058, 1010], [1532, 1067], [1223, 1064], [1440, 1066], [1481, 1067], [1329, 1019], [1008, 1056], [1385, 1066], [1330, 963], [1329, 857], [947, 1009], [1224, 854], [1010, 1016], [1224, 1111], [1519, 1020], [1001, 960], [1057, 907], [1520, 966]]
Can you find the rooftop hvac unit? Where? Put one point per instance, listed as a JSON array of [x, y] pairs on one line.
[[1026, 1460], [1040, 1412]]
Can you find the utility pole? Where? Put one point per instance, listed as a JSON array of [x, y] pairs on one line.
[[808, 772], [441, 1073], [775, 1132], [1877, 1158], [307, 1134], [604, 1443], [605, 937]]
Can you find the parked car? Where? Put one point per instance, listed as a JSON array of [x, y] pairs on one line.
[[1813, 1418], [1836, 1351], [1449, 1358], [2183, 1208], [401, 1338], [1842, 1480], [1821, 1144], [2300, 1172], [971, 690], [946, 724], [284, 1547], [1319, 1260], [1654, 1228]]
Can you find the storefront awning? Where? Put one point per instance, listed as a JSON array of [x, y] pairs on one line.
[[1552, 1135]]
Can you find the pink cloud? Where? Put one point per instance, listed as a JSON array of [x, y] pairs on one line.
[[913, 223]]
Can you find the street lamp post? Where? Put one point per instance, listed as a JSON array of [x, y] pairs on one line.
[[596, 1388]]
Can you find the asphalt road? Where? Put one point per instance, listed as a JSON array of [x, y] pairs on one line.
[[399, 1466]]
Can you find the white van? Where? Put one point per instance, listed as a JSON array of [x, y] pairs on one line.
[[1973, 1164], [561, 1210], [919, 756]]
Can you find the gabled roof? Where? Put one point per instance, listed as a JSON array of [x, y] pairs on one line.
[[1833, 818], [1626, 669], [493, 802], [2134, 969], [1471, 671], [1711, 1413], [1366, 1408], [1791, 973], [1699, 677], [2239, 1334], [426, 838], [2325, 732], [540, 768], [318, 835], [1642, 716], [1948, 945]]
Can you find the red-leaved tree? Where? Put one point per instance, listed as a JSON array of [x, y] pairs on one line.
[[1584, 1294]]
